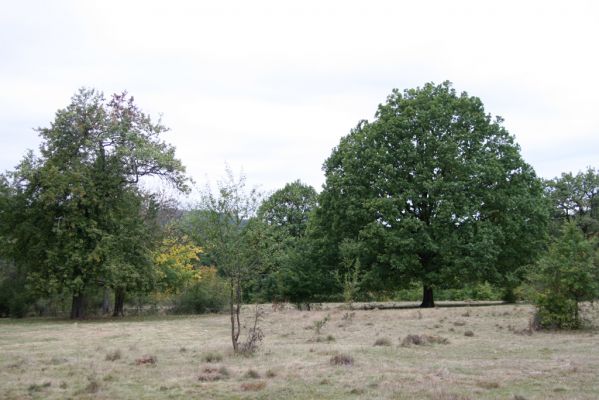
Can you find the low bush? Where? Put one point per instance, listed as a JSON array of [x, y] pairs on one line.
[[209, 294]]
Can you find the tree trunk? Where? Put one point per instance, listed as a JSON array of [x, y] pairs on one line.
[[78, 306], [427, 297], [234, 335], [119, 302], [106, 301]]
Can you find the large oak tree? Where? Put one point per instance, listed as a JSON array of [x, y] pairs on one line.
[[436, 191]]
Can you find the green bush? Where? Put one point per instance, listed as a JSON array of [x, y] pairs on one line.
[[209, 294], [566, 275]]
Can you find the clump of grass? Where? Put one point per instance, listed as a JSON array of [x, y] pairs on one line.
[[422, 340], [518, 397], [459, 323], [93, 385], [211, 374], [382, 342], [319, 324], [63, 385], [113, 355], [328, 338], [342, 359], [183, 349], [469, 333], [35, 387], [487, 384], [253, 386], [58, 360], [324, 382], [357, 391], [146, 360], [212, 357], [252, 374], [270, 373]]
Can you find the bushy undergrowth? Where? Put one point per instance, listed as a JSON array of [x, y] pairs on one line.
[[209, 294], [567, 275], [482, 291]]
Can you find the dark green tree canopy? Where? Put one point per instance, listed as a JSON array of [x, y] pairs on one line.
[[576, 198], [80, 211], [436, 189], [289, 208]]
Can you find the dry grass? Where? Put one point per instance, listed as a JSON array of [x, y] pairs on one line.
[[51, 359]]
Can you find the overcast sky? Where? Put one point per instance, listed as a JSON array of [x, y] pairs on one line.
[[271, 86]]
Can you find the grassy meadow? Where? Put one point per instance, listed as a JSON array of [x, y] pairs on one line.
[[468, 353]]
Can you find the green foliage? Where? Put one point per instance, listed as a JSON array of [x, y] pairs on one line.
[[226, 227], [78, 216], [208, 294], [575, 198], [289, 208], [435, 190], [566, 275], [290, 271]]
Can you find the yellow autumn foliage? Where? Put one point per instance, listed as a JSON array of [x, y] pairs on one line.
[[176, 261]]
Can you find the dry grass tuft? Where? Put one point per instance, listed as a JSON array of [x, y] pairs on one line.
[[342, 359], [270, 373], [253, 386], [448, 396], [211, 374], [382, 342], [212, 357], [146, 360], [423, 340], [93, 385], [487, 384], [113, 355], [34, 387], [357, 391], [251, 374]]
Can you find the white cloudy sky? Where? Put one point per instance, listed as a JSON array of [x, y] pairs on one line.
[[271, 86]]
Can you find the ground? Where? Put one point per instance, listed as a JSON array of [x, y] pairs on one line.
[[489, 354]]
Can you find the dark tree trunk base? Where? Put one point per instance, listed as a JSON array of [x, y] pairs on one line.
[[106, 302], [427, 297], [78, 306], [119, 302]]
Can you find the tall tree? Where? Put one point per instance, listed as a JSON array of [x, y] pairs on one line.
[[80, 204], [436, 191]]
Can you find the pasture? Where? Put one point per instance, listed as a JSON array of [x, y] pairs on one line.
[[468, 353]]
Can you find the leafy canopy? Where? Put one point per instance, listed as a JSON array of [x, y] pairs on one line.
[[435, 189]]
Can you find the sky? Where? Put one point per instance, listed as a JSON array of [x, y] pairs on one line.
[[270, 87]]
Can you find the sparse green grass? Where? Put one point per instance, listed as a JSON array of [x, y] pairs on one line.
[[56, 359]]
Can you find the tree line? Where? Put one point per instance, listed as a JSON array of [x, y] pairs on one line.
[[433, 193]]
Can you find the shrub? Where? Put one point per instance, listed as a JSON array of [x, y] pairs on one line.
[[209, 294], [565, 276]]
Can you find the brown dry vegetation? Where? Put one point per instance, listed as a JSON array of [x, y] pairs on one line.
[[49, 359]]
